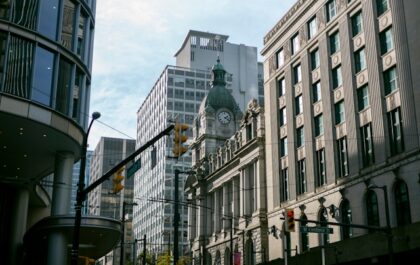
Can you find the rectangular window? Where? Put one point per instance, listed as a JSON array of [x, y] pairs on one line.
[[395, 131], [299, 104], [316, 91], [300, 137], [339, 112], [334, 42], [331, 10], [381, 6], [342, 157], [283, 147], [280, 58], [390, 80], [295, 44], [312, 27], [357, 23], [283, 117], [314, 59], [319, 125], [301, 177], [282, 87], [320, 168], [367, 145], [386, 40], [337, 80], [360, 60], [297, 74], [363, 98], [284, 185]]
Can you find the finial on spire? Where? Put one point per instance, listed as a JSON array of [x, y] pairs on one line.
[[218, 59]]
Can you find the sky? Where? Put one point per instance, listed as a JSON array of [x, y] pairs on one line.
[[136, 39]]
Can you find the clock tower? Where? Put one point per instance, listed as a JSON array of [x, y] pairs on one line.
[[218, 118]]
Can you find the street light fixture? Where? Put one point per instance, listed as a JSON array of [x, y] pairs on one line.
[[388, 222], [123, 230], [80, 198]]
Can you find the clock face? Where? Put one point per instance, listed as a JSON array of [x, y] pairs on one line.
[[224, 117]]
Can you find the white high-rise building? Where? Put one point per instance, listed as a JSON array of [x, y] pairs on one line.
[[177, 94]]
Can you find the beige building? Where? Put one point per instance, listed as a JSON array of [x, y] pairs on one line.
[[227, 197], [341, 79]]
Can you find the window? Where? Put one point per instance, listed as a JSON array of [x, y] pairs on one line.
[[390, 80], [284, 185], [314, 59], [189, 95], [342, 157], [283, 147], [395, 131], [316, 91], [363, 98], [331, 10], [402, 203], [64, 82], [337, 80], [367, 145], [48, 14], [319, 125], [179, 93], [357, 24], [312, 28], [283, 117], [320, 168], [280, 58], [386, 40], [43, 76], [372, 211], [360, 60], [334, 42], [339, 112], [68, 24], [295, 44], [298, 104], [346, 231], [301, 177], [300, 137], [381, 6], [282, 87], [297, 74], [304, 237]]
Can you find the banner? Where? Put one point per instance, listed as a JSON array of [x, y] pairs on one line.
[[237, 258]]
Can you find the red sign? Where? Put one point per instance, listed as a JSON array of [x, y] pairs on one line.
[[237, 258]]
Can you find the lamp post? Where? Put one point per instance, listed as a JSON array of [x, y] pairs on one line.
[[80, 198], [123, 230], [388, 222]]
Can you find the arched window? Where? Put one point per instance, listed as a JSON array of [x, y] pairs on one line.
[[304, 237], [208, 259], [228, 257], [323, 217], [218, 259], [402, 203], [346, 232], [250, 253], [372, 212]]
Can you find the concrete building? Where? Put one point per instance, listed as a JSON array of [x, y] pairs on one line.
[[75, 181], [342, 120], [227, 194], [177, 94], [102, 201]]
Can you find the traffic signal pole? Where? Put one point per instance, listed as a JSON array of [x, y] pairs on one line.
[[176, 217]]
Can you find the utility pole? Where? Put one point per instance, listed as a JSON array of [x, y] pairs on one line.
[[176, 217], [122, 234], [144, 249]]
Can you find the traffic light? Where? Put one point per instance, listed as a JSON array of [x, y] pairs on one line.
[[118, 178], [179, 138], [290, 220]]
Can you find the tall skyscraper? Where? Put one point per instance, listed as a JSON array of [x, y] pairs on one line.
[[45, 70], [342, 127], [177, 95]]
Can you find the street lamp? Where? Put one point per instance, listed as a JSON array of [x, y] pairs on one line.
[[123, 230], [80, 198], [388, 223]]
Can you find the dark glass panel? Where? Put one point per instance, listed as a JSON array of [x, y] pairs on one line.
[[63, 86], [25, 13], [43, 76], [48, 14]]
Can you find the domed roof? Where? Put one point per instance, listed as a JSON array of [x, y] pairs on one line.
[[218, 96]]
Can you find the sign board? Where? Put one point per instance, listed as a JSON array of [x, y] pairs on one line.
[[316, 229], [133, 168], [237, 258]]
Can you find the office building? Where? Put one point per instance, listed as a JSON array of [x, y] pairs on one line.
[[177, 95], [342, 130], [75, 181]]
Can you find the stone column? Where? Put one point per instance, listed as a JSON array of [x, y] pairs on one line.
[[57, 242], [19, 214]]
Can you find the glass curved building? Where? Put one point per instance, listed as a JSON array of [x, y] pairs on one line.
[[45, 74]]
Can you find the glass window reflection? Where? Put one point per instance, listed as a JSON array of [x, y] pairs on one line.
[[48, 14], [43, 76], [76, 95], [81, 36], [25, 13], [68, 24], [63, 86], [5, 9]]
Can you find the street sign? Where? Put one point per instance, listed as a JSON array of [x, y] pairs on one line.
[[316, 229], [133, 168]]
